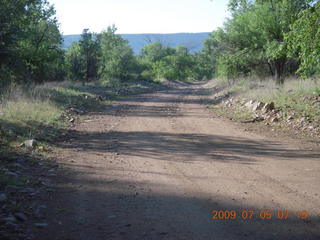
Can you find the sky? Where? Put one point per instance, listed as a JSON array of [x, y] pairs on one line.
[[140, 16]]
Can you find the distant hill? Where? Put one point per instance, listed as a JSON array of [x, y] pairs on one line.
[[193, 41]]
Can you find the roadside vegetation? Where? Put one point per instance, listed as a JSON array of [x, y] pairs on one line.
[[268, 52]]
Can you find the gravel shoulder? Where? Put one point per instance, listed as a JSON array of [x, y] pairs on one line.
[[155, 166]]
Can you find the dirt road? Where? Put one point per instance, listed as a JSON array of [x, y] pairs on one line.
[[155, 166]]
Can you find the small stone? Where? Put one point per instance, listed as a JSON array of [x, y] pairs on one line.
[[17, 165], [3, 197], [30, 143], [268, 107], [27, 190], [274, 119], [249, 104], [41, 225], [78, 111], [311, 127], [21, 216], [9, 219], [12, 174], [290, 118], [257, 106]]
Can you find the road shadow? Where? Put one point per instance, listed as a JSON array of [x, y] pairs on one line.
[[186, 147], [120, 209]]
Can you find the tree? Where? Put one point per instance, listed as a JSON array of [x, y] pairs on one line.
[[89, 52], [41, 51], [75, 64], [253, 39], [116, 61], [30, 42], [206, 59], [177, 66], [304, 41], [156, 51]]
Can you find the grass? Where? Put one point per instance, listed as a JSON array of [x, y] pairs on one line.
[[25, 111], [35, 111]]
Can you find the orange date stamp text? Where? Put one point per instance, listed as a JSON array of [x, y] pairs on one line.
[[257, 214]]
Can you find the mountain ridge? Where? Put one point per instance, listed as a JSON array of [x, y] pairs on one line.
[[193, 41]]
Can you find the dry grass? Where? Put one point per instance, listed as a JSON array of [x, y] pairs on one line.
[[296, 95], [26, 112]]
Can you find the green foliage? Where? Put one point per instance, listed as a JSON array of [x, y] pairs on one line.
[[117, 61], [304, 40], [30, 42], [82, 59], [89, 52], [206, 59], [155, 51], [162, 62], [75, 63], [253, 40]]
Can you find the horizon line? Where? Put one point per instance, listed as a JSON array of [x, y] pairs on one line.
[[144, 33]]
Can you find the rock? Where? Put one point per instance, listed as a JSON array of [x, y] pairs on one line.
[[9, 219], [254, 105], [71, 120], [100, 98], [255, 119], [249, 104], [17, 165], [302, 120], [12, 174], [30, 143], [39, 213], [311, 127], [274, 119], [290, 117], [268, 107], [3, 197], [78, 111], [257, 106], [27, 190], [41, 225], [21, 217], [243, 102]]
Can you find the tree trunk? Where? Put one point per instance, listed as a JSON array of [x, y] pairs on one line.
[[279, 70], [270, 69]]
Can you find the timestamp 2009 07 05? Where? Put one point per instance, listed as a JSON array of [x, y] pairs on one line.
[[257, 214]]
